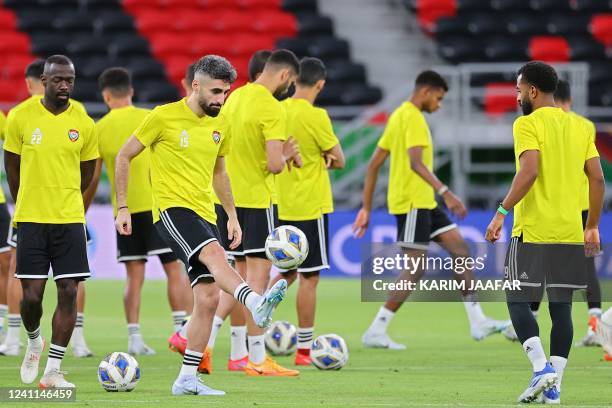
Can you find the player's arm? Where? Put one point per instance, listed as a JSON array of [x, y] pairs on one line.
[[334, 157], [128, 152], [88, 168], [279, 152], [597, 187], [521, 184], [90, 191], [360, 225], [223, 189], [452, 202], [12, 166]]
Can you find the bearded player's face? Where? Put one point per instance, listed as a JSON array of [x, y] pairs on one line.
[[212, 94], [524, 95]]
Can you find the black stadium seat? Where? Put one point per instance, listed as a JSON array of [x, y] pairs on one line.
[[86, 90], [360, 95], [473, 5], [481, 24], [590, 5], [585, 49], [73, 21], [344, 71], [300, 5], [549, 5], [518, 24], [34, 20], [101, 4], [87, 45], [329, 48], [128, 45], [510, 5], [601, 94], [93, 66], [460, 49], [298, 45], [146, 68], [473, 23], [499, 49], [567, 24], [113, 21], [48, 44], [450, 25], [155, 91], [314, 24], [599, 72]]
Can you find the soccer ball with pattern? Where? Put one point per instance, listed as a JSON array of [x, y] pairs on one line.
[[287, 247], [329, 352], [118, 372], [281, 338]]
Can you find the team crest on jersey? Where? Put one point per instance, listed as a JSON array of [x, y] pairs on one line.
[[73, 135], [216, 137]]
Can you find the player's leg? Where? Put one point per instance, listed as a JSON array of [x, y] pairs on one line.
[[79, 345], [135, 271], [5, 260], [12, 343], [593, 298], [178, 290], [604, 331]]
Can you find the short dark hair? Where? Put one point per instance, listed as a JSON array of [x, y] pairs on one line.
[[540, 75], [563, 92], [117, 80], [190, 73], [257, 63], [431, 79], [35, 68], [216, 67], [312, 70], [284, 58]]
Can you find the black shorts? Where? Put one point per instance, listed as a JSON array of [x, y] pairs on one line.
[[557, 268], [317, 233], [143, 242], [62, 247], [256, 224], [11, 240], [222, 228], [186, 233], [418, 227], [5, 227]]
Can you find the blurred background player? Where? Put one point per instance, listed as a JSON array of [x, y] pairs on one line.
[[12, 343], [188, 142], [305, 195], [563, 100], [260, 147], [53, 235], [553, 152], [604, 332], [411, 198], [5, 255], [112, 132], [238, 358]]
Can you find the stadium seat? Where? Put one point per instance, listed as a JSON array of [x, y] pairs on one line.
[[87, 45], [260, 4], [11, 90], [300, 5], [8, 20], [86, 90], [155, 92], [450, 25], [590, 5], [481, 24], [549, 5], [601, 27], [313, 24], [344, 71], [32, 20], [509, 5], [360, 95], [246, 44], [92, 67], [14, 66], [17, 4], [599, 72], [73, 21], [12, 42], [146, 68], [100, 4], [112, 21], [500, 98], [298, 45], [549, 48], [477, 80], [506, 49], [566, 24], [276, 23], [585, 49], [128, 45], [164, 45], [601, 95], [329, 48], [472, 5], [429, 11], [520, 24], [208, 44], [176, 67], [460, 49], [330, 95]]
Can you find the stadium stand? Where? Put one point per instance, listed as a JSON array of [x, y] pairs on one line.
[[157, 39]]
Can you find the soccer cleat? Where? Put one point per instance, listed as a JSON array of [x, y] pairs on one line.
[[192, 385], [607, 357], [237, 365], [510, 333], [137, 347], [380, 340], [81, 351], [2, 334], [269, 368], [551, 396], [205, 366], [540, 381], [10, 349], [302, 358], [262, 315], [488, 327], [591, 339], [54, 379], [177, 343], [31, 360]]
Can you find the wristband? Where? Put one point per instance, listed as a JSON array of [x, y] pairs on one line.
[[122, 207], [502, 210], [442, 190]]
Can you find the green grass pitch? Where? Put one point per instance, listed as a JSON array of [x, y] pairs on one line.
[[442, 367]]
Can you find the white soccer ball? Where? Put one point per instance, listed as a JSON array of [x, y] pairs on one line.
[[329, 352], [281, 338], [118, 372], [287, 247]]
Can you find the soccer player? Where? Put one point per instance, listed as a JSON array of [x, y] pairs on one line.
[[547, 251], [411, 198], [260, 147], [188, 80], [12, 344], [604, 331], [112, 132], [305, 195], [5, 255], [188, 140], [50, 155]]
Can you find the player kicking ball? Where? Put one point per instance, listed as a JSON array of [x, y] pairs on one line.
[[553, 152], [188, 140], [411, 198]]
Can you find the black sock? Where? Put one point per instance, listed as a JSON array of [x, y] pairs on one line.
[[525, 325], [535, 306], [562, 331]]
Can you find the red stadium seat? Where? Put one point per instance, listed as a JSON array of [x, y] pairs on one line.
[[166, 44], [601, 27], [209, 44], [14, 43], [549, 48], [8, 20], [260, 4], [153, 21], [11, 90], [429, 11], [277, 23], [232, 22], [499, 98], [176, 67], [246, 44], [14, 66]]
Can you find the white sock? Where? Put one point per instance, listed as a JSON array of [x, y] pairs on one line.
[[3, 311], [183, 330], [473, 309], [381, 321], [56, 354], [558, 364], [535, 352], [178, 317], [245, 295], [304, 337], [14, 327], [191, 361], [257, 349], [34, 338], [217, 323], [238, 339], [595, 311], [77, 333], [133, 329]]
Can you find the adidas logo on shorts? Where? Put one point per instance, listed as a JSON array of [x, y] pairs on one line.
[[524, 275]]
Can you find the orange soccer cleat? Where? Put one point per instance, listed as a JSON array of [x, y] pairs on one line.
[[302, 357], [205, 366], [237, 365], [607, 357], [177, 343], [269, 368]]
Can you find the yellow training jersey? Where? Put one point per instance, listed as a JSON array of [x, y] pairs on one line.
[[255, 117], [305, 193], [184, 149], [590, 127], [113, 130], [550, 212], [52, 148], [2, 124], [407, 128], [37, 98]]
